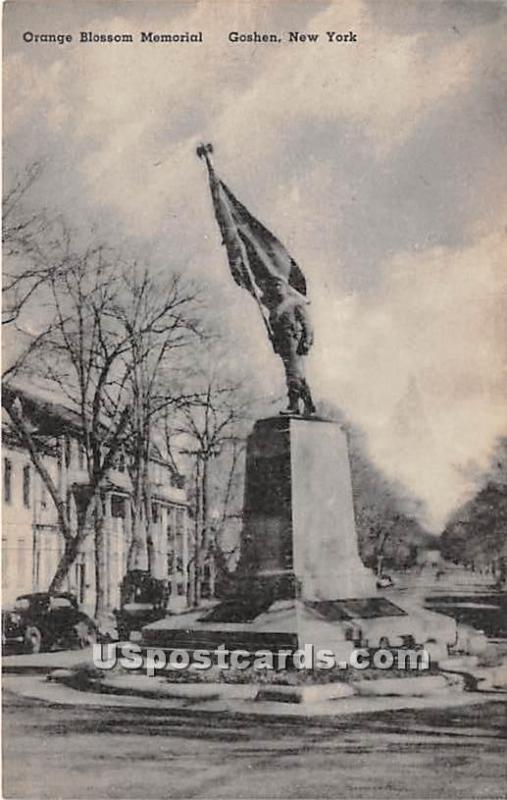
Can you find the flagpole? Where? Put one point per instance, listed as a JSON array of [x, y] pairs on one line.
[[205, 151], [255, 289]]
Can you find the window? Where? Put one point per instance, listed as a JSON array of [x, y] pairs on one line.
[[155, 512], [59, 602], [206, 582], [7, 480], [80, 456], [26, 486], [180, 521], [67, 451], [43, 496], [121, 462], [117, 506], [80, 576]]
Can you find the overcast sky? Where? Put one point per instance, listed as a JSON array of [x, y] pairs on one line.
[[380, 164]]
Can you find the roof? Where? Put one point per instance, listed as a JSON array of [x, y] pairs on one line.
[[55, 414], [45, 404]]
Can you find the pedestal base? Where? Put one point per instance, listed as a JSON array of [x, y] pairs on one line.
[[283, 626], [299, 549], [337, 626], [298, 511]]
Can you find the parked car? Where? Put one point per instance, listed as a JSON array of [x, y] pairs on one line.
[[143, 600], [42, 621], [384, 581]]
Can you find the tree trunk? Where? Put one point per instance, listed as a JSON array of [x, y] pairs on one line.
[[137, 549], [207, 532], [150, 544], [100, 567], [137, 556], [66, 560], [198, 535]]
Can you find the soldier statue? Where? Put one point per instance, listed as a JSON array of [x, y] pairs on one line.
[[260, 264], [291, 337]]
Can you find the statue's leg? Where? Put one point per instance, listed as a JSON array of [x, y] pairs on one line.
[[294, 396], [307, 399], [292, 378]]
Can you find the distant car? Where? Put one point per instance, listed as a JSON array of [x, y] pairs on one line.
[[384, 582], [42, 621]]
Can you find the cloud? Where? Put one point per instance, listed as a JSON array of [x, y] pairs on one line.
[[127, 108], [380, 165], [422, 366]]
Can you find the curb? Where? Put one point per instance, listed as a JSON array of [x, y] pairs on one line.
[[41, 669], [43, 663], [140, 685], [319, 713]]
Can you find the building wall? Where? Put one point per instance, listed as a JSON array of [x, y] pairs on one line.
[[32, 545], [17, 518]]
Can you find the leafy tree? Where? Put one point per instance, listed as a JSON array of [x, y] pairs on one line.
[[387, 515], [477, 532]]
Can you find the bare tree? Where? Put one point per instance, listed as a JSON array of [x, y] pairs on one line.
[[35, 247], [159, 323], [79, 354], [110, 351], [213, 429], [31, 241]]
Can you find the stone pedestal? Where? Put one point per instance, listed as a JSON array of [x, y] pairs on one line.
[[298, 550], [299, 526]]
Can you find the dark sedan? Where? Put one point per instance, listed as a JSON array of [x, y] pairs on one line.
[[43, 621]]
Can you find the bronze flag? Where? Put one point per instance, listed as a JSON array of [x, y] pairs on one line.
[[257, 259]]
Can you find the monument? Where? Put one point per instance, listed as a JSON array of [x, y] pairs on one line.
[[299, 549], [298, 518]]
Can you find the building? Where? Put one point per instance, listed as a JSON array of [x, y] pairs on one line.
[[31, 541]]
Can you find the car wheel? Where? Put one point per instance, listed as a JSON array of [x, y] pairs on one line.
[[33, 639], [86, 635]]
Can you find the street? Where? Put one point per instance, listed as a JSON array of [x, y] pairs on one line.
[[53, 751]]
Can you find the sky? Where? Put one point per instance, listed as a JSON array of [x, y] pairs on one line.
[[380, 164]]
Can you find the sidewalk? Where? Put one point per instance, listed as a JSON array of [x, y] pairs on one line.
[[44, 663], [454, 581], [28, 676]]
